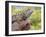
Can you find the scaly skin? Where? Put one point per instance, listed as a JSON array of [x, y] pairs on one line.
[[20, 22]]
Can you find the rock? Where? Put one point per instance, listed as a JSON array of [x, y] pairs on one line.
[[16, 26]]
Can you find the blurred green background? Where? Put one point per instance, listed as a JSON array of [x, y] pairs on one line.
[[35, 17]]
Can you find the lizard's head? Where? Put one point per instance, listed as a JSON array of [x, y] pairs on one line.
[[29, 12]]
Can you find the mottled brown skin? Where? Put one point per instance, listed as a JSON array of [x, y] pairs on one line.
[[20, 22], [21, 25]]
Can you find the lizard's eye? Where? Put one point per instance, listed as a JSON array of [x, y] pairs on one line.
[[24, 18]]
